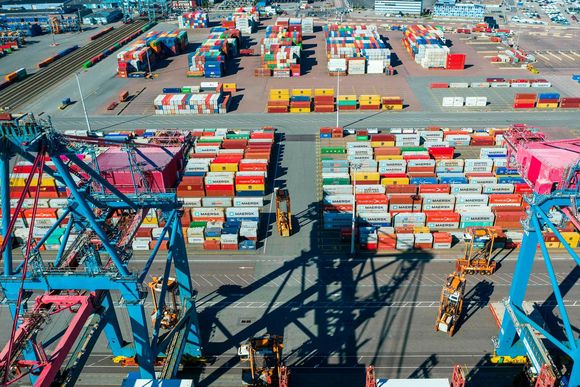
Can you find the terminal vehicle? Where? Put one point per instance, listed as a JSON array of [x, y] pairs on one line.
[[451, 303], [263, 356], [170, 313], [479, 243], [65, 103], [283, 212], [532, 69]]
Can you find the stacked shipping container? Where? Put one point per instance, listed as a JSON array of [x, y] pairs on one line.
[[211, 58], [208, 98], [280, 49], [411, 179], [427, 46], [355, 49], [194, 20]]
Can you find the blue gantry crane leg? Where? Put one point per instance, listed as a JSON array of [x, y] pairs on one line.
[[515, 338], [97, 261]]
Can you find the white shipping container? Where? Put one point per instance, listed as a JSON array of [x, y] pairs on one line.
[[443, 225], [482, 180], [372, 208], [498, 188], [447, 101], [438, 198], [139, 245], [248, 202], [369, 189], [216, 202], [372, 217], [207, 212], [190, 202], [336, 189], [441, 245], [56, 203], [338, 199], [439, 207], [195, 240], [477, 216], [229, 239], [242, 212], [459, 85], [413, 219], [485, 153], [465, 189]]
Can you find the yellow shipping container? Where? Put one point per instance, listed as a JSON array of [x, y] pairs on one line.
[[323, 92], [393, 107], [380, 144], [223, 167], [232, 87], [391, 98], [150, 221], [421, 230], [347, 98], [553, 245], [573, 238], [250, 187], [547, 105], [46, 181], [212, 238], [299, 110], [307, 92], [280, 98], [368, 102], [280, 91], [371, 97], [389, 157], [394, 180], [362, 176]]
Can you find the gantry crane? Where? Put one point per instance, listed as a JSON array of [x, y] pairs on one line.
[[263, 356], [478, 257], [451, 303], [283, 212], [552, 169], [91, 267]]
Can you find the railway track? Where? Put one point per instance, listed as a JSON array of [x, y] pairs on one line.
[[16, 95]]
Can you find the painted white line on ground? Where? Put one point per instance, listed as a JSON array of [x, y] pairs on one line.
[[555, 56], [566, 55], [575, 54], [543, 56]]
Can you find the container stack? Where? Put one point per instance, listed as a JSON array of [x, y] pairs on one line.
[[301, 101], [408, 196], [346, 102], [193, 20], [279, 101], [524, 101], [369, 102], [211, 58], [392, 103], [280, 50], [427, 46], [208, 98], [307, 25], [143, 54], [570, 103], [548, 100], [324, 100], [245, 19], [355, 50]]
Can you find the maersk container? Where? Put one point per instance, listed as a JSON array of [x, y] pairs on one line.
[[373, 208], [497, 188], [453, 180], [338, 199], [510, 180], [335, 170], [466, 188], [374, 219], [439, 207], [492, 153], [423, 180], [478, 165], [369, 189], [471, 199], [505, 171], [438, 199], [409, 219], [482, 180]]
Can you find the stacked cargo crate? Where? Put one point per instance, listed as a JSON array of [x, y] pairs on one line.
[[369, 102], [524, 101], [402, 184], [570, 103], [245, 19], [279, 101], [280, 49], [144, 53], [301, 101], [350, 47], [548, 100], [208, 98], [392, 103], [324, 100], [211, 58], [346, 102], [427, 46], [194, 20]]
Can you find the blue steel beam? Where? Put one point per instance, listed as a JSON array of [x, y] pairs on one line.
[[557, 233], [64, 242], [5, 193], [86, 211], [155, 250], [52, 229]]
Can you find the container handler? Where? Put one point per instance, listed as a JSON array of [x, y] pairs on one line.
[[65, 103], [451, 303], [170, 313], [479, 243], [532, 69], [264, 357], [283, 212]]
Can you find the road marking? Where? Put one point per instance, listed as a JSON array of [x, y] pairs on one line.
[[557, 57], [543, 56], [566, 55], [575, 54]]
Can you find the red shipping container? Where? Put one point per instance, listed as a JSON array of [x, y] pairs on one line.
[[387, 151], [337, 207], [441, 153], [442, 216], [439, 85], [371, 199], [211, 245], [443, 237], [524, 105], [434, 188], [516, 199], [416, 157], [422, 171], [522, 188], [401, 189]]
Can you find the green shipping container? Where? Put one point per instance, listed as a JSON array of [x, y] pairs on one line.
[[198, 224], [475, 224], [235, 136], [186, 90], [362, 138], [336, 181], [325, 150], [413, 149], [347, 103], [87, 64]]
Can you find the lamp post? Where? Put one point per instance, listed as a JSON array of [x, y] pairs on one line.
[[83, 104]]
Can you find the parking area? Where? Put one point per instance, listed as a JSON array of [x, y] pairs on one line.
[[557, 59]]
